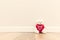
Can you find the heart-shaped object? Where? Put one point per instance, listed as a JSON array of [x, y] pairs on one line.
[[40, 27]]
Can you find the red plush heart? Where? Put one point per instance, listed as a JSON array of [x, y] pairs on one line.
[[40, 27]]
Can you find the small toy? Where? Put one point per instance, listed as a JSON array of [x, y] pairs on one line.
[[40, 26]]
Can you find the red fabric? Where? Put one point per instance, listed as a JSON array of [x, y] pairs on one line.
[[40, 27]]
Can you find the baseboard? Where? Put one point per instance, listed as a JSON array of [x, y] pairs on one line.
[[53, 29], [27, 29], [16, 29]]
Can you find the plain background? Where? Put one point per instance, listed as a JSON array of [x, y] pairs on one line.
[[26, 12]]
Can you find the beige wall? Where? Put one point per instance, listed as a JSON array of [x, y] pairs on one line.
[[26, 12]]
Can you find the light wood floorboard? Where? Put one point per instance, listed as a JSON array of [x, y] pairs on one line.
[[29, 36]]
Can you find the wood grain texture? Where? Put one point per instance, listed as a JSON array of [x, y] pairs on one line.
[[29, 36], [48, 36], [17, 36]]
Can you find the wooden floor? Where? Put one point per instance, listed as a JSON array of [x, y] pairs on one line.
[[48, 36], [29, 36]]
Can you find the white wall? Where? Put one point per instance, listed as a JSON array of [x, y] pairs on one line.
[[26, 12]]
